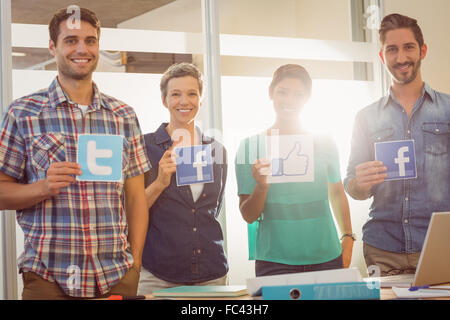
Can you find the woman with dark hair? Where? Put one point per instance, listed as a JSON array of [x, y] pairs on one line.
[[291, 228], [184, 244]]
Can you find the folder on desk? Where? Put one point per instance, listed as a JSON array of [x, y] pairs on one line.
[[202, 291], [323, 291]]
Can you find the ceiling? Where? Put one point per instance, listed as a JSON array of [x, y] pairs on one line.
[[110, 12]]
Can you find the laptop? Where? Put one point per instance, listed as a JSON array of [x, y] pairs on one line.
[[433, 267]]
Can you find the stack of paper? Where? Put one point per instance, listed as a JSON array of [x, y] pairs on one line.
[[432, 292]]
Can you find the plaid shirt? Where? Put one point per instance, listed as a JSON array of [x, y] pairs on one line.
[[79, 237]]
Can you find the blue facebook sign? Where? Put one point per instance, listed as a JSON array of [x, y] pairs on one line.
[[100, 157], [194, 165], [399, 157]]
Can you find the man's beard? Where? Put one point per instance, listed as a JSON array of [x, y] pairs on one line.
[[401, 78]]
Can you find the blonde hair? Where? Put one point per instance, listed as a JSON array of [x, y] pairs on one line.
[[179, 70]]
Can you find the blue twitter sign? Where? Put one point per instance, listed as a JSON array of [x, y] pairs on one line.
[[399, 157], [100, 157]]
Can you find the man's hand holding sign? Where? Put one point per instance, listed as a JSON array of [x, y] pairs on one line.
[[395, 160]]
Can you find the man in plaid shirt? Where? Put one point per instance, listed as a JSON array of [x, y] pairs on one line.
[[83, 239]]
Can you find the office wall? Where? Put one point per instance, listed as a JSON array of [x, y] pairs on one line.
[[433, 19], [324, 20], [282, 18]]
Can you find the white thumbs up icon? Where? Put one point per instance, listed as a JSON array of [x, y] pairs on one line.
[[295, 164]]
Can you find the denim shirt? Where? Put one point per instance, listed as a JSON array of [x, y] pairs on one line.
[[184, 240], [401, 209]]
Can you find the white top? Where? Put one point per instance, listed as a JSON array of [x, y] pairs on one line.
[[196, 190]]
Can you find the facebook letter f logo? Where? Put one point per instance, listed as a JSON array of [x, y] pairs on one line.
[[398, 157], [194, 165], [401, 160], [199, 164]]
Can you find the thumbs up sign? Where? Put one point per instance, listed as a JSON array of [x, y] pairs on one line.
[[295, 164]]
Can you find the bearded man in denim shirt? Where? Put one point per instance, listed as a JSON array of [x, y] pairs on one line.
[[401, 209]]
